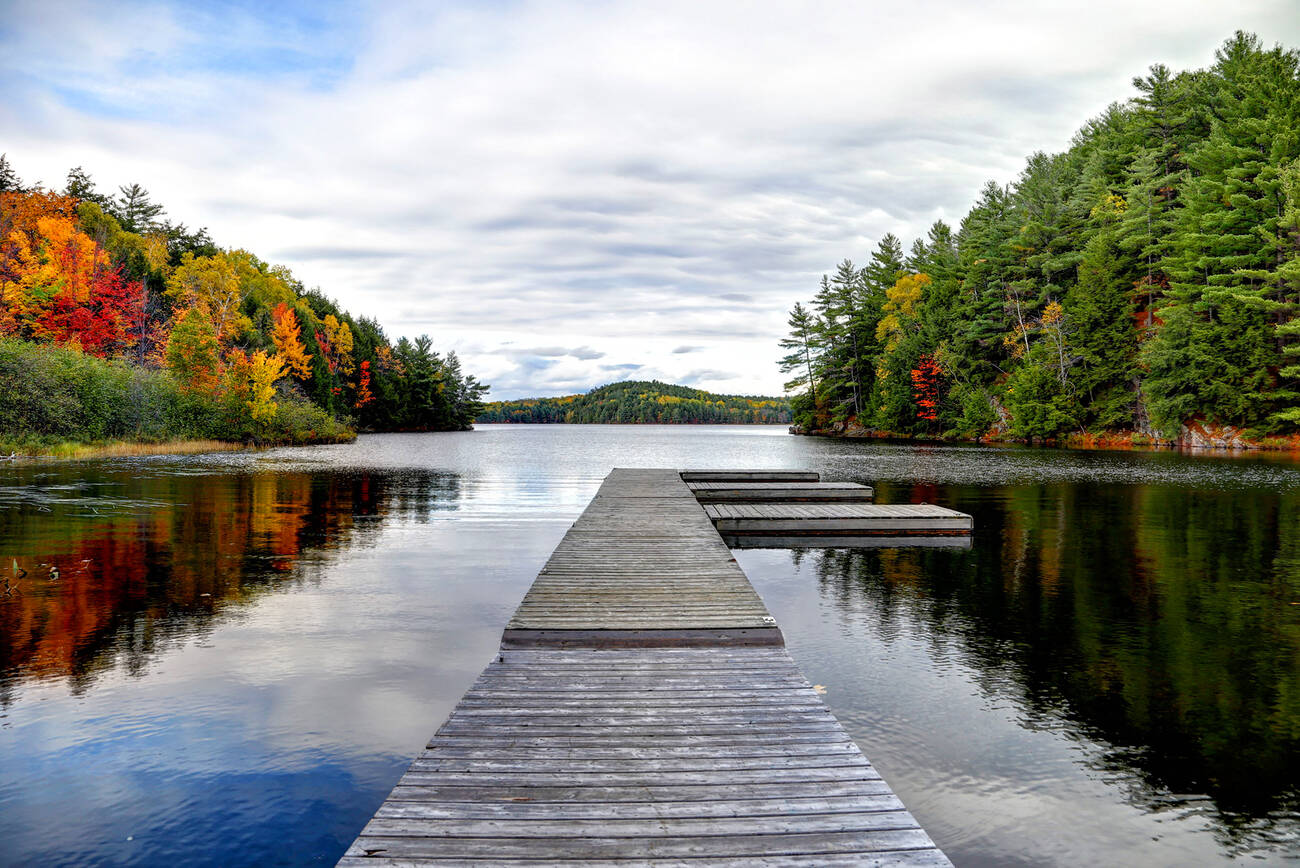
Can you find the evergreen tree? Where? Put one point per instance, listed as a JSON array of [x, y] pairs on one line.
[[9, 180], [81, 186], [804, 345], [1101, 309], [134, 209]]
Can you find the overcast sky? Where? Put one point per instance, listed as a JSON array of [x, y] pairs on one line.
[[570, 194]]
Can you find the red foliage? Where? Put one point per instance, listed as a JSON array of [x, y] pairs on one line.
[[364, 395], [925, 388], [327, 351], [104, 324]]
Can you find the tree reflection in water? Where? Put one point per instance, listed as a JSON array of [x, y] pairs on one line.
[[1160, 623], [110, 565]]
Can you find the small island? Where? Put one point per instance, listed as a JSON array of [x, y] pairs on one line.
[[643, 402]]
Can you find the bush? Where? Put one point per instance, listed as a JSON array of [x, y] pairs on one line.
[[1039, 407], [977, 413], [52, 394]]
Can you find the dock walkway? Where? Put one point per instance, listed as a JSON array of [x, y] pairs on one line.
[[643, 710]]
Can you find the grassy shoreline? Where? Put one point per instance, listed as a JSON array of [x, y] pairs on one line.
[[69, 450]]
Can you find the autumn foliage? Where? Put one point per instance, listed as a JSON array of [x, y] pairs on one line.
[[196, 341], [56, 284], [287, 337], [925, 388]]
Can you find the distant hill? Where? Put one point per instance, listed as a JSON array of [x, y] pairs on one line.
[[642, 402]]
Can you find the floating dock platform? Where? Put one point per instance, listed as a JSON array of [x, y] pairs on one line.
[[837, 519], [749, 476], [643, 710], [781, 492]]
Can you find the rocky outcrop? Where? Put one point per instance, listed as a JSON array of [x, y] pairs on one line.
[[1199, 434]]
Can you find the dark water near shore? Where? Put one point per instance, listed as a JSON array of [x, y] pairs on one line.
[[229, 660]]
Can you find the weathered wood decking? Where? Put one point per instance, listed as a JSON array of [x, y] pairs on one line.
[[634, 717], [642, 556], [750, 475], [780, 492], [855, 519]]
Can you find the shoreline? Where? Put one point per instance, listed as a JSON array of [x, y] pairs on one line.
[[1195, 440], [72, 451]]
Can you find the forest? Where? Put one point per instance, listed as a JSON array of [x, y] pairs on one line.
[[651, 402], [1142, 284], [119, 324]]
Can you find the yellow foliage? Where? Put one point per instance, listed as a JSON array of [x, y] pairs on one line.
[[270, 285], [263, 371], [211, 284], [155, 251], [1014, 342], [902, 301], [1110, 208], [340, 338]]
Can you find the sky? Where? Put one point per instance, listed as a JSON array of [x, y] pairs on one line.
[[574, 193]]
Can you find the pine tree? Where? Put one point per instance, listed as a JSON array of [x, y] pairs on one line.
[[804, 347], [9, 180], [1227, 238], [81, 186], [1101, 310], [134, 210]]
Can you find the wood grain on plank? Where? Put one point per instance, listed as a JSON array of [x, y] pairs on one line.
[[643, 710]]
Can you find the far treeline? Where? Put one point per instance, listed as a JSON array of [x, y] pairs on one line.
[[1145, 279], [119, 324], [642, 402]]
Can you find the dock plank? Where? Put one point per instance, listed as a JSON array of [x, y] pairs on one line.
[[643, 710], [781, 492], [628, 788], [761, 475], [792, 520]]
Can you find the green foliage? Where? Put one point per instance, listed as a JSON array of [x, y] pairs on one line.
[[1100, 308], [192, 352], [642, 402], [975, 409], [1144, 278], [50, 394], [1039, 406]]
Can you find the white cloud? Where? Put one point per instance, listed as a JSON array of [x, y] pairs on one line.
[[623, 179]]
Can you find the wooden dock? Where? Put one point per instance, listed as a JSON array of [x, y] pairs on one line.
[[781, 492], [643, 710], [837, 519], [749, 476]]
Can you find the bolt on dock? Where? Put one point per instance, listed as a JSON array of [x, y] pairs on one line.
[[643, 710]]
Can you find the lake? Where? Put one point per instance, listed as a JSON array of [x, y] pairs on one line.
[[230, 659]]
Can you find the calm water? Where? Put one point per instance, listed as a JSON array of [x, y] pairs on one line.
[[229, 660]]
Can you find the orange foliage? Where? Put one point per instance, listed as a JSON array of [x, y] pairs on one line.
[[56, 283], [229, 543], [287, 337], [364, 395]]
